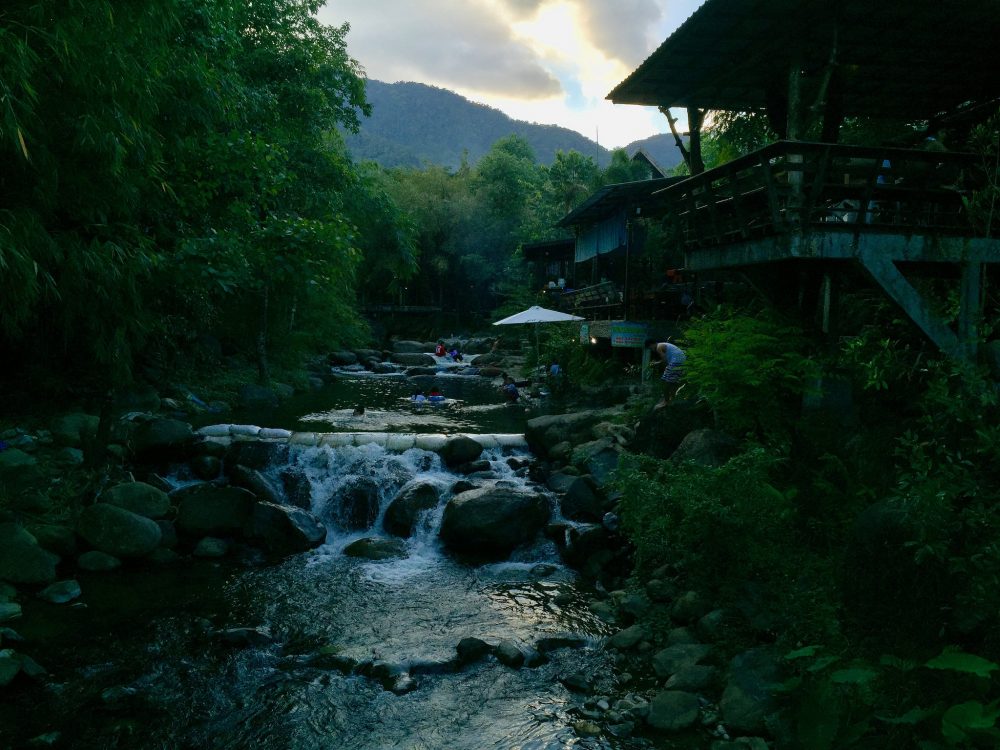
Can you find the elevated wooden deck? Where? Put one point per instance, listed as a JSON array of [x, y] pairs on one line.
[[876, 206]]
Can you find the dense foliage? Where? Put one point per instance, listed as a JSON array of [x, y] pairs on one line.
[[171, 169], [860, 535]]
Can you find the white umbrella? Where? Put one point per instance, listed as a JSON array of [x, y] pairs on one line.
[[536, 315]]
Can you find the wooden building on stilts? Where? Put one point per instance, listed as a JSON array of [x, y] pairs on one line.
[[802, 217]]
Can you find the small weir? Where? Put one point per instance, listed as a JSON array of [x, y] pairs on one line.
[[327, 650]]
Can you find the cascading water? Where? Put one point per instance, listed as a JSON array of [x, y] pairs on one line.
[[321, 649]]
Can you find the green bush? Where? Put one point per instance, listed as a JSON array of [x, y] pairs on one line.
[[723, 525], [752, 370]]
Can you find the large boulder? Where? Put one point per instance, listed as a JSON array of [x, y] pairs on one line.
[[581, 502], [253, 396], [673, 710], [117, 531], [339, 359], [460, 450], [659, 432], [18, 471], [54, 537], [375, 548], [298, 488], [411, 347], [414, 360], [284, 530], [209, 510], [162, 440], [358, 505], [255, 454], [401, 515], [706, 448], [138, 497], [22, 560], [74, 429], [545, 432], [261, 486], [492, 521]]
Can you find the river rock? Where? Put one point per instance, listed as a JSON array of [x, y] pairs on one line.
[[73, 429], [161, 439], [18, 471], [60, 592], [747, 700], [168, 534], [674, 658], [284, 530], [692, 678], [205, 467], [117, 531], [252, 396], [377, 548], [542, 433], [472, 650], [358, 505], [244, 637], [54, 537], [413, 359], [10, 666], [138, 497], [689, 607], [210, 510], [628, 638], [491, 522], [96, 561], [460, 450], [211, 546], [9, 611], [507, 652], [339, 359], [298, 488], [401, 515], [252, 480], [578, 682], [581, 501], [411, 347], [22, 559], [673, 710], [256, 454]]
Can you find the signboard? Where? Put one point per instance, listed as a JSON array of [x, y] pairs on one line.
[[585, 334], [628, 335]]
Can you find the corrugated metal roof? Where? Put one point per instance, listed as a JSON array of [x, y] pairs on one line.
[[898, 58]]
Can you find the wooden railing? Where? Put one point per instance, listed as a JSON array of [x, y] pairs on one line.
[[794, 186], [596, 302]]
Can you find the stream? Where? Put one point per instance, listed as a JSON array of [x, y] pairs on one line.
[[344, 652]]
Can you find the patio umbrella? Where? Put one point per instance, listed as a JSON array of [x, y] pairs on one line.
[[536, 315]]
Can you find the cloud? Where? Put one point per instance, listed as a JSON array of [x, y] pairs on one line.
[[523, 7], [622, 29], [457, 45]]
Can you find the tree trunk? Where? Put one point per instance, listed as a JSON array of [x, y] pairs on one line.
[[263, 371]]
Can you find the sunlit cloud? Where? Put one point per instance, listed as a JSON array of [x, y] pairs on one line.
[[544, 61]]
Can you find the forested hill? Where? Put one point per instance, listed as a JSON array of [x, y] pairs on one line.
[[660, 148], [413, 124]]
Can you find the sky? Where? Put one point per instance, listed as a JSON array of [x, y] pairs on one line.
[[547, 61]]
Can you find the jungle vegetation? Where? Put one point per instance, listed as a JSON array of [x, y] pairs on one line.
[[172, 180]]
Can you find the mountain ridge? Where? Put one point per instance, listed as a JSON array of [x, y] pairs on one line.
[[414, 124]]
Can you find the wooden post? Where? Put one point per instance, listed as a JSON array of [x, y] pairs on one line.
[[970, 306]]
